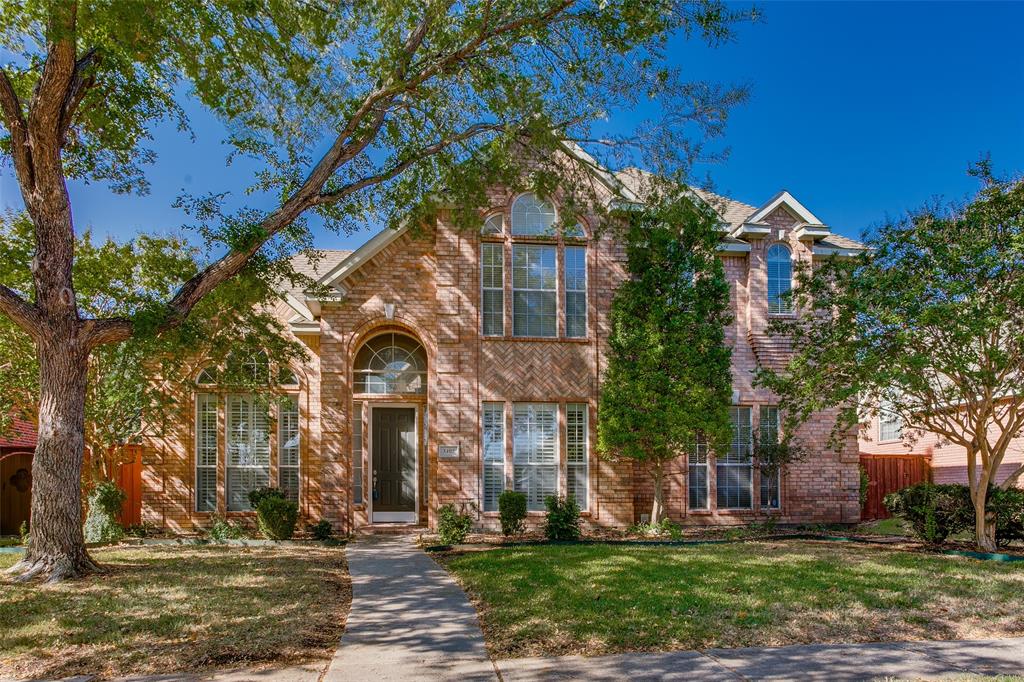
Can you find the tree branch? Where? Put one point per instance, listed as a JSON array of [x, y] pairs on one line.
[[81, 81], [21, 312], [14, 121]]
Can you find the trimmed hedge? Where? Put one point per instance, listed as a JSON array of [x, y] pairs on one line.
[[512, 508]]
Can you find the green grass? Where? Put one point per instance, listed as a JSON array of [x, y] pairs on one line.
[[599, 599], [170, 609], [890, 526]]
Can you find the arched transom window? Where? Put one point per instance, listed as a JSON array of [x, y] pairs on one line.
[[532, 216], [391, 364], [780, 279]]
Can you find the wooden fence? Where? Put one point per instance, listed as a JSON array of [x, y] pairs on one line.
[[889, 473], [129, 479]]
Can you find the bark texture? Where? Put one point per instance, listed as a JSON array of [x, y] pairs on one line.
[[658, 506]]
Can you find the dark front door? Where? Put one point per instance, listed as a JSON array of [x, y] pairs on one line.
[[15, 492], [394, 460]]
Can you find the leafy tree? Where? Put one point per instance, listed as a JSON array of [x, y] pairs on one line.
[[351, 110], [928, 324], [668, 384], [133, 386]]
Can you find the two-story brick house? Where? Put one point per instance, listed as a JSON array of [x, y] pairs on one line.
[[447, 365]]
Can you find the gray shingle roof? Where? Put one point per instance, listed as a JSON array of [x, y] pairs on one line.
[[313, 265]]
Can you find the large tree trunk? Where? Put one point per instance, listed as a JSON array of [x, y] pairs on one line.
[[57, 547], [658, 507], [984, 522]]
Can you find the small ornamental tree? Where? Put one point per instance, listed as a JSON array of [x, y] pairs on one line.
[[928, 325], [668, 382]]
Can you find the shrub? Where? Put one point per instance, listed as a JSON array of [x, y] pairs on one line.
[[257, 495], [452, 526], [865, 481], [105, 502], [222, 530], [277, 517], [934, 511], [563, 518], [24, 533], [322, 530], [666, 527], [512, 509], [1008, 507]]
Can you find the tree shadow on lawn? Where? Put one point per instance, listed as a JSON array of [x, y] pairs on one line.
[[605, 599], [173, 609]]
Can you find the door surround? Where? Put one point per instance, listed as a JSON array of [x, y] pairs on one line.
[[391, 516]]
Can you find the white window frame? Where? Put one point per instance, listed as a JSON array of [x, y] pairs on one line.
[[736, 458], [252, 443], [539, 207], [204, 400], [772, 429], [582, 250], [577, 452], [284, 435], [358, 489], [553, 291], [527, 461], [887, 419], [783, 305], [492, 452], [696, 462], [499, 290]]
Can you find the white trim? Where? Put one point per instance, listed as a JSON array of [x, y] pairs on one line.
[[752, 230], [394, 517], [824, 251], [784, 197], [734, 248], [364, 253], [298, 306], [304, 327], [806, 231]]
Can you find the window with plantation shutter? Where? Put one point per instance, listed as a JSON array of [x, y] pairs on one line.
[[206, 452], [534, 282], [288, 448], [576, 459], [697, 475], [734, 468], [248, 450], [770, 479], [492, 282], [535, 452], [493, 448]]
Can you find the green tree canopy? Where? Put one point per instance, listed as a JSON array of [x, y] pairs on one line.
[[927, 324], [668, 384]]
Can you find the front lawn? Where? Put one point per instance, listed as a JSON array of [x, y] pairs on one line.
[[599, 599], [170, 609]]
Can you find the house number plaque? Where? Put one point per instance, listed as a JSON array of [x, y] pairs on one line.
[[447, 451]]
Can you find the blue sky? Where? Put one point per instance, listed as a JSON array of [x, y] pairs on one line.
[[861, 110]]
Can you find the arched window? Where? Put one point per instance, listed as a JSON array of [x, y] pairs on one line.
[[532, 216], [207, 376], [391, 364], [493, 225], [780, 279]]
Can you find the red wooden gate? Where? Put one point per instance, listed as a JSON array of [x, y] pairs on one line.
[[889, 473], [129, 479]]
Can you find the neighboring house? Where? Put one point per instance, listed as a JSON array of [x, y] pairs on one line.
[[884, 435], [446, 366], [16, 448]]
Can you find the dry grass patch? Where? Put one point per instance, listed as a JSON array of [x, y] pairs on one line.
[[599, 599], [170, 609]]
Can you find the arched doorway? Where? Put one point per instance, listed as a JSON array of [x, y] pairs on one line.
[[390, 378], [15, 491]]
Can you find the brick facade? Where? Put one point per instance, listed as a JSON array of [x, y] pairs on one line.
[[426, 284]]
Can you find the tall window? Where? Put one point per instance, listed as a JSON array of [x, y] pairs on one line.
[[770, 479], [492, 277], [890, 426], [575, 291], [357, 452], [780, 279], [734, 469], [697, 475], [248, 443], [391, 364], [494, 453], [535, 452], [288, 447], [534, 307], [576, 453], [206, 452], [532, 216]]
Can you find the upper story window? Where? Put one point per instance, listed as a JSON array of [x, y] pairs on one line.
[[547, 269], [780, 279], [532, 216], [391, 364], [890, 426]]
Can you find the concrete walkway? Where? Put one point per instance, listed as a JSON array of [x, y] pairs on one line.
[[409, 619]]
